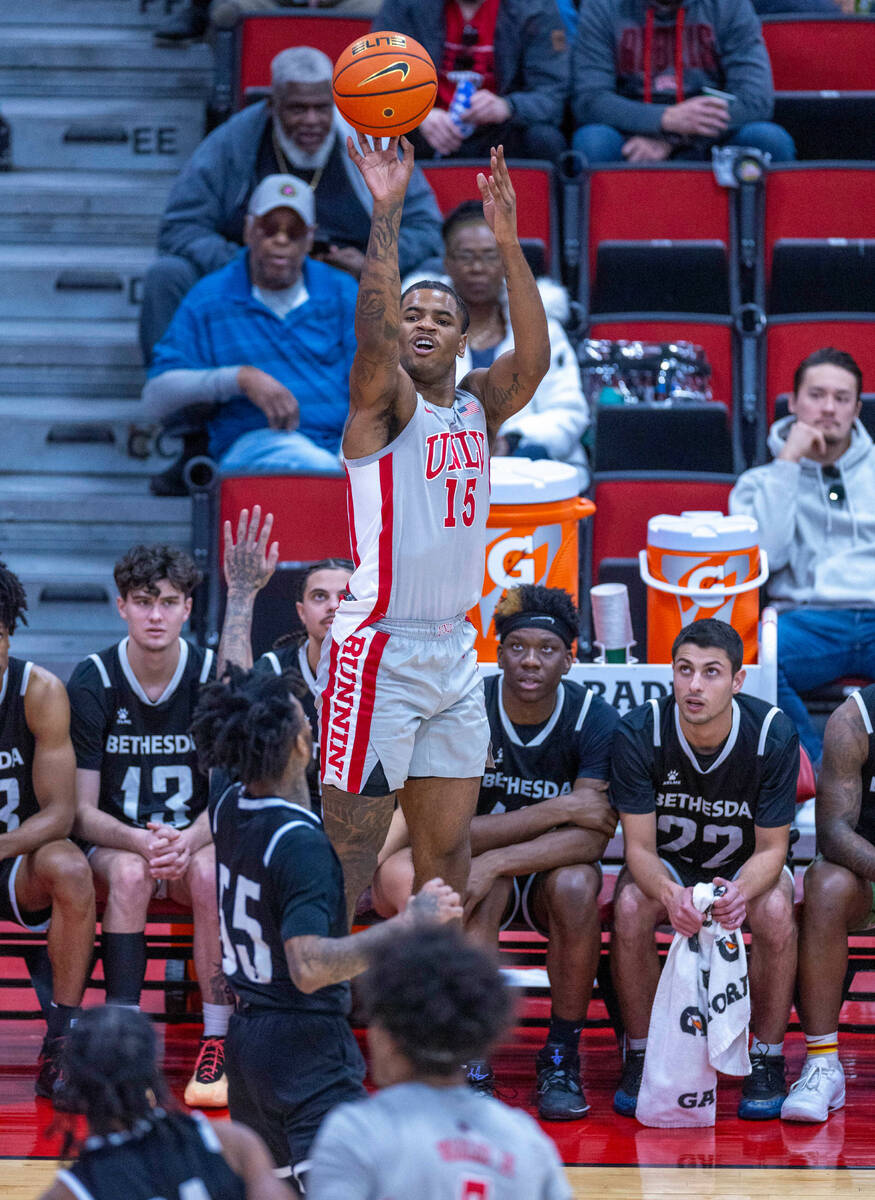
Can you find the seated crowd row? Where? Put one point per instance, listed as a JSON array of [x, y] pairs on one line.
[[703, 780]]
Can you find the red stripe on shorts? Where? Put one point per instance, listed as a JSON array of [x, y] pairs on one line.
[[365, 710]]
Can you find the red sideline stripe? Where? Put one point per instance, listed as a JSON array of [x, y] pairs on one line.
[[350, 516], [365, 711], [327, 697]]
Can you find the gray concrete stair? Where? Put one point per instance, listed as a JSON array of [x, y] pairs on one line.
[[73, 282], [142, 14], [97, 358], [37, 60], [112, 134], [97, 207]]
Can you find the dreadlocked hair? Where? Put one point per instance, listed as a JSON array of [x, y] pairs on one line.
[[441, 998], [110, 1069], [13, 600], [533, 598], [247, 723]]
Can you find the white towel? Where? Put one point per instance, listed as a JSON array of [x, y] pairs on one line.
[[698, 1025]]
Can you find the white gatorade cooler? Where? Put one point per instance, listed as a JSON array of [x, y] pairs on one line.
[[532, 535], [702, 564]]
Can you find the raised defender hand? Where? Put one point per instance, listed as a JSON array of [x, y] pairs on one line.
[[385, 174], [499, 198], [434, 904], [248, 562]]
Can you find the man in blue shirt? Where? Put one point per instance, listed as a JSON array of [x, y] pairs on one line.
[[266, 342]]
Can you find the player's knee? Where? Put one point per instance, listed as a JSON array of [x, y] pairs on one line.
[[201, 878], [128, 880], [632, 912], [827, 888], [771, 919], [571, 895], [73, 881]]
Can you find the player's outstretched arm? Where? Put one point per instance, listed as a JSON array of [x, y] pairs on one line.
[[316, 962], [47, 712], [839, 792], [513, 378], [248, 567]]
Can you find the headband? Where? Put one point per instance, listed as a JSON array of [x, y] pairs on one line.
[[539, 620]]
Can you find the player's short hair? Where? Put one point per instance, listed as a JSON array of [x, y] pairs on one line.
[[143, 568], [13, 600], [324, 564], [469, 212], [829, 356], [110, 1069], [538, 607], [300, 64], [247, 723], [439, 285], [441, 999], [709, 633]]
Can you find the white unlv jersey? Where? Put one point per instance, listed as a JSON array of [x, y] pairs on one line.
[[417, 519]]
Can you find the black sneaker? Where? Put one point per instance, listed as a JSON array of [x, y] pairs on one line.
[[764, 1090], [480, 1078], [560, 1096], [626, 1095], [49, 1067]]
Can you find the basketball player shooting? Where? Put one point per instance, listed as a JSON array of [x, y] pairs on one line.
[[402, 701]]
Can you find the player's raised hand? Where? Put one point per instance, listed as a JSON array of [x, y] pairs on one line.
[[385, 174], [434, 904], [499, 198], [248, 562]]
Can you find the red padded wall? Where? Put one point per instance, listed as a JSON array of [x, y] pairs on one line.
[[310, 520]]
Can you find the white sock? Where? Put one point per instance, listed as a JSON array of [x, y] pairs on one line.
[[636, 1043], [757, 1046], [216, 1018], [824, 1047]]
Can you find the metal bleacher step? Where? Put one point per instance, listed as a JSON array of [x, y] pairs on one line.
[[102, 134], [61, 435], [72, 282], [67, 60], [79, 358], [69, 592], [97, 207], [118, 13]]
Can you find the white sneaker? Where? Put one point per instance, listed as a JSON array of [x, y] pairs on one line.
[[818, 1091]]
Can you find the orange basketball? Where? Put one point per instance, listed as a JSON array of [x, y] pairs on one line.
[[384, 84]]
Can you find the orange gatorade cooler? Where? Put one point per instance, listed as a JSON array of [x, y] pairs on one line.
[[532, 535], [702, 564]]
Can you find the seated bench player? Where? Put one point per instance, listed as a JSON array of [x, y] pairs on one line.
[[45, 883], [839, 898], [141, 796], [705, 784], [248, 566], [543, 819]]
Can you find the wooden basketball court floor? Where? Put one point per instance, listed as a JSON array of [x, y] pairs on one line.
[[606, 1155]]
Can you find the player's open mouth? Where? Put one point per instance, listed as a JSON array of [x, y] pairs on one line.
[[423, 345]]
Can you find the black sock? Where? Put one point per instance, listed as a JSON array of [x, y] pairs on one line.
[[124, 967], [565, 1033], [59, 1019]]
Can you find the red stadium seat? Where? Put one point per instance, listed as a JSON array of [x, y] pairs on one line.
[[535, 186], [310, 520], [790, 339], [826, 200], [806, 781], [821, 53], [260, 38]]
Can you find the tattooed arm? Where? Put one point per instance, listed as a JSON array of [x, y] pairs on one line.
[[316, 962], [513, 378], [381, 395], [839, 793], [248, 567]]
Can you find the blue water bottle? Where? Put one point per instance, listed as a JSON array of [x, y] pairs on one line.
[[467, 83]]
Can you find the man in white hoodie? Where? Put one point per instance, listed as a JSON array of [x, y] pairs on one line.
[[815, 504]]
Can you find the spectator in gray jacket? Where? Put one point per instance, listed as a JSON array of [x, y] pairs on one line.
[[641, 74], [519, 50], [815, 504], [296, 131]]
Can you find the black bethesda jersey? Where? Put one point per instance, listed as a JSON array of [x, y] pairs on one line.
[[175, 1156], [279, 878], [537, 762], [142, 748], [17, 798], [865, 700], [707, 807], [291, 660]]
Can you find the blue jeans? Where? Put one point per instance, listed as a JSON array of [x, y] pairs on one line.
[[815, 646], [603, 143], [278, 450]]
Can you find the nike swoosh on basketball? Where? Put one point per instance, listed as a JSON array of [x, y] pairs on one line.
[[403, 67]]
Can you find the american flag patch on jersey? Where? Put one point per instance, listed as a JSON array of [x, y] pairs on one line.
[[470, 409]]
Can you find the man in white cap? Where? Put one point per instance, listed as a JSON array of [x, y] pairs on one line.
[[266, 342]]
